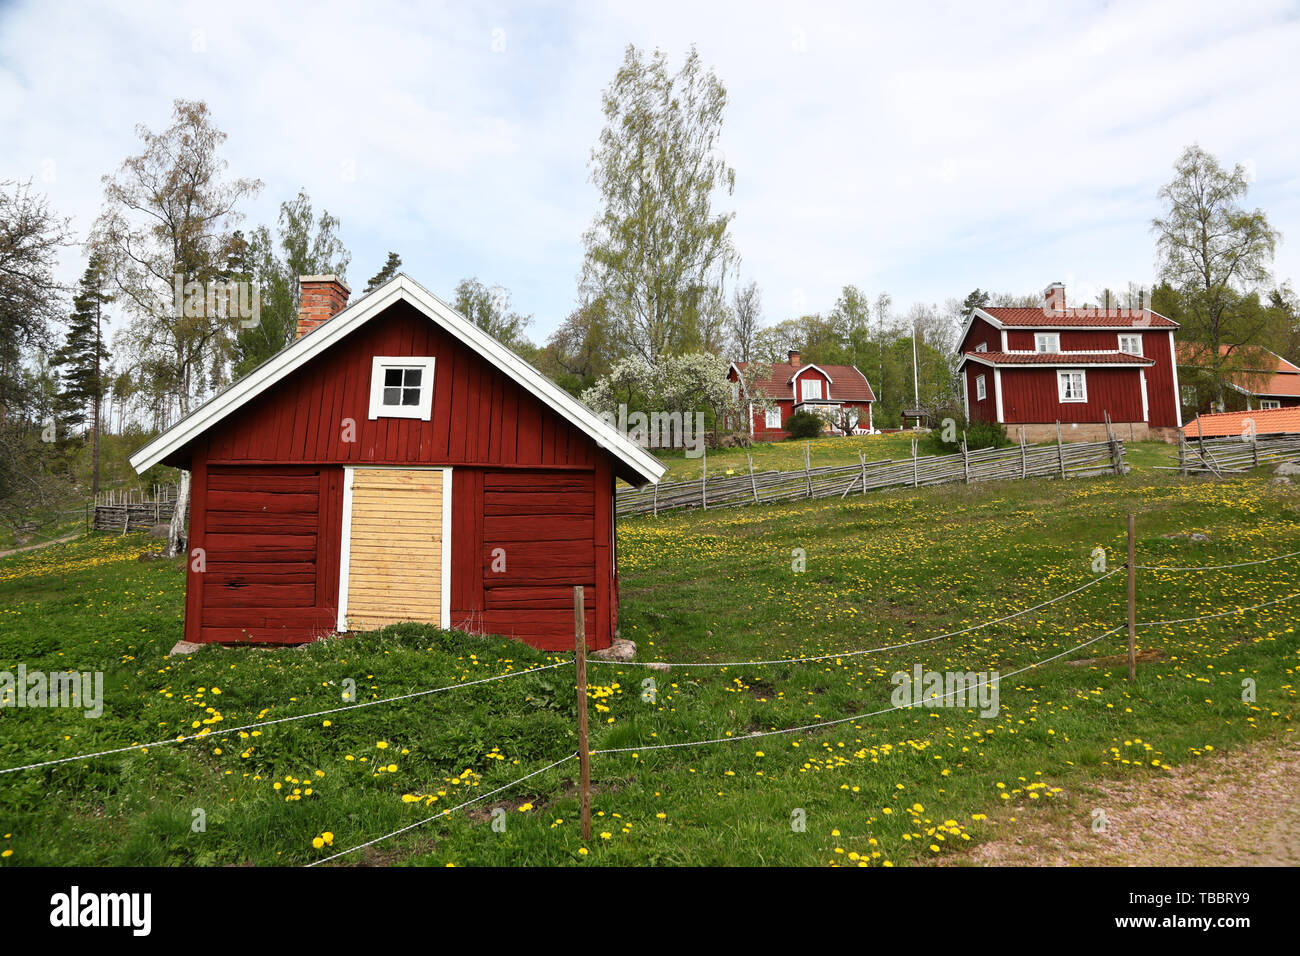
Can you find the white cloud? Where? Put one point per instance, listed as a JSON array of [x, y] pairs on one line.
[[918, 149]]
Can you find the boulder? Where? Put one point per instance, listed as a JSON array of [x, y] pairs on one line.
[[185, 647], [1288, 468], [620, 650]]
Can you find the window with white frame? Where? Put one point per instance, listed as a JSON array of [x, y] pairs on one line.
[[401, 387], [1071, 386], [1047, 342], [812, 388], [773, 417], [1132, 344], [982, 347], [1267, 403], [980, 392]]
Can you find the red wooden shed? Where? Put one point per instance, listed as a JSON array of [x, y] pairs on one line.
[[396, 463]]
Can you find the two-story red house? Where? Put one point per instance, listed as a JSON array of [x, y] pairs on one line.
[[1030, 368], [835, 391]]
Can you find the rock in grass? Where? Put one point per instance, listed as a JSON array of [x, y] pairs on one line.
[[1288, 468], [620, 650], [185, 647]]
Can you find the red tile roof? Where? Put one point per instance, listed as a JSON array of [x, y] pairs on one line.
[[1267, 422], [1058, 358], [1261, 372], [1080, 318], [847, 383]]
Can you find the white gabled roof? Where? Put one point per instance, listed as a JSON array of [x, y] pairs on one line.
[[399, 288]]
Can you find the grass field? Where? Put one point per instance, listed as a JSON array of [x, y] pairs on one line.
[[901, 787]]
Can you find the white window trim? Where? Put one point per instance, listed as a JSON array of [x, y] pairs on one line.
[[769, 414], [1267, 403], [806, 389], [1060, 385], [1130, 335], [981, 389], [1053, 337], [982, 347], [380, 363]]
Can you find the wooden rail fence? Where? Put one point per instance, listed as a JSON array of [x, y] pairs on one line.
[[133, 509], [1232, 455], [1074, 459]]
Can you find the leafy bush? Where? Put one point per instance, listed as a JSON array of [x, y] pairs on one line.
[[978, 435], [804, 425]]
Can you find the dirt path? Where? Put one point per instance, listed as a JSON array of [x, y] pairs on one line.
[[1238, 809], [37, 547]]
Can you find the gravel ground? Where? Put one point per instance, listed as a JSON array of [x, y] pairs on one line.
[[1237, 809]]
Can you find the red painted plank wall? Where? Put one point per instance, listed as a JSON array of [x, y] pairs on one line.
[[480, 415], [985, 411], [1029, 395]]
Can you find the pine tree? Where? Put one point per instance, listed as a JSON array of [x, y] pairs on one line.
[[383, 275], [82, 359]]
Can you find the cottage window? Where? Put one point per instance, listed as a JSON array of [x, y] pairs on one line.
[[1132, 344], [982, 347], [1047, 342], [812, 388], [980, 393], [1072, 386], [773, 417], [1267, 403], [401, 387]]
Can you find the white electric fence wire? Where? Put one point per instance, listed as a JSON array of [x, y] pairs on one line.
[[1217, 567], [845, 720], [448, 812], [226, 731], [869, 650], [1206, 617]]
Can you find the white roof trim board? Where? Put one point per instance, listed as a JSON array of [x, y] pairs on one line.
[[399, 288]]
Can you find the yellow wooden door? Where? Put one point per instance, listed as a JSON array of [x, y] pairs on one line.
[[395, 548]]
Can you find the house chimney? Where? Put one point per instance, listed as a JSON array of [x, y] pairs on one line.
[[794, 358], [1055, 297], [320, 299]]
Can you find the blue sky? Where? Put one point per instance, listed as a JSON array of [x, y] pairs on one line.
[[919, 149]]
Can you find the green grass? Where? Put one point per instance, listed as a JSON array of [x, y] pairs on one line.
[[880, 569]]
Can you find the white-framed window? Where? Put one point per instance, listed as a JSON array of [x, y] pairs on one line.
[[1267, 403], [401, 386], [812, 388], [735, 391], [1047, 342], [982, 347], [980, 392], [1132, 344], [1072, 385], [773, 417]]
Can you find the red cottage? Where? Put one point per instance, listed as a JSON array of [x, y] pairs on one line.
[[835, 390], [1032, 368], [396, 463]]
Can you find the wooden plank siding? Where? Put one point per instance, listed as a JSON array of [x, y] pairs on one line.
[[395, 551], [1029, 395]]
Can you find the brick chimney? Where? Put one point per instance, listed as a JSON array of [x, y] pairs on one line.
[[1054, 296], [321, 298], [794, 358]]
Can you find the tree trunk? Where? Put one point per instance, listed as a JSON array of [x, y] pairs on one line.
[[176, 532]]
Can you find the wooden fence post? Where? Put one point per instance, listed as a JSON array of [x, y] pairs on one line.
[[1132, 599], [1024, 455], [807, 467], [916, 478], [965, 460], [584, 756], [753, 484], [656, 502], [862, 459], [1060, 449], [704, 477]]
